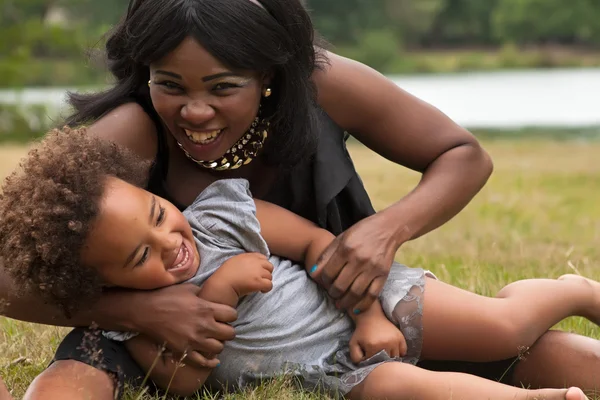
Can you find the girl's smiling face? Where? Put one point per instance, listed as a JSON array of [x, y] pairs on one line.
[[139, 240]]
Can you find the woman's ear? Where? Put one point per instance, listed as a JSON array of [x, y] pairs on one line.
[[267, 78]]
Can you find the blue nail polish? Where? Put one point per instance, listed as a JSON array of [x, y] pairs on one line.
[[356, 312], [313, 269], [219, 364]]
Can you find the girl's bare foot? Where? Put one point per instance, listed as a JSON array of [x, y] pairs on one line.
[[575, 394], [593, 312]]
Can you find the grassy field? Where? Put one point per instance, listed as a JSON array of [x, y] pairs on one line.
[[537, 217]]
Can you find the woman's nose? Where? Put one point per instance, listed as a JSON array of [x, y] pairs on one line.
[[197, 112]]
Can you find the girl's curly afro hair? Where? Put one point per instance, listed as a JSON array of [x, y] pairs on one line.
[[48, 206]]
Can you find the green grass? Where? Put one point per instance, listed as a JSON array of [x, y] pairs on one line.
[[537, 217]]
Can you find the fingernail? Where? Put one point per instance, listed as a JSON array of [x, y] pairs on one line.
[[356, 312], [219, 364], [313, 269]]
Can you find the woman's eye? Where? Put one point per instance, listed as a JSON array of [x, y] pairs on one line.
[[169, 85], [224, 85]]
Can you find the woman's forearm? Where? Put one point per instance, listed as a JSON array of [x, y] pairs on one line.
[[109, 312], [447, 186]]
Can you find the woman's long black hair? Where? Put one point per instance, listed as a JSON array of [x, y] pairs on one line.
[[277, 39]]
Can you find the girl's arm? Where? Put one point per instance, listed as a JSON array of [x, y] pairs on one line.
[[291, 236]]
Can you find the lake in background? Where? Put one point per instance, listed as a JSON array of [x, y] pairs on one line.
[[512, 99]]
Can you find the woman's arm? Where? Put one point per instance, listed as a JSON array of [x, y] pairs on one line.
[[411, 133]]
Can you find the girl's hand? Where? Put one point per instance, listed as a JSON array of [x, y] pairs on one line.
[[356, 264], [246, 273], [374, 334]]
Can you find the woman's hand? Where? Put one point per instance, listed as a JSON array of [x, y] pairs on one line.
[[176, 316], [356, 265]]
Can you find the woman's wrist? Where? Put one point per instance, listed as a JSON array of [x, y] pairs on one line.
[[398, 228], [122, 310]]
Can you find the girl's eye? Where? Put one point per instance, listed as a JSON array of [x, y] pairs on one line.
[[144, 257], [161, 215]]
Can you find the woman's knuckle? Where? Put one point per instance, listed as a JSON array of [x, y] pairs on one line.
[[363, 258], [345, 248], [356, 292], [381, 269]]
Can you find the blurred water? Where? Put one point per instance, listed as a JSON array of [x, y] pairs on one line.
[[513, 99]]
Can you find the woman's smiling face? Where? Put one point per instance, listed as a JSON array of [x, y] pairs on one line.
[[206, 106]]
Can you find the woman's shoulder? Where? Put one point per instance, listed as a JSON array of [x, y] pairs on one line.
[[357, 96], [341, 82], [129, 125]]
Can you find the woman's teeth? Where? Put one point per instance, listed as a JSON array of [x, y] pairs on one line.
[[202, 137]]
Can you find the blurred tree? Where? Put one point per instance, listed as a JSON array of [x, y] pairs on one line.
[[413, 19], [344, 22], [547, 21], [462, 21]]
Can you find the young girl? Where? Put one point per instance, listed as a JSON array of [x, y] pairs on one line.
[[76, 221]]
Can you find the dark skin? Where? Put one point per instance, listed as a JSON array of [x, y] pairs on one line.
[[387, 119]]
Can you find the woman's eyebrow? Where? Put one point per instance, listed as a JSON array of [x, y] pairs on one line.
[[171, 74], [219, 75]]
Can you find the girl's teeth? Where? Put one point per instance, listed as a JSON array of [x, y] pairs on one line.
[[185, 258], [202, 137]]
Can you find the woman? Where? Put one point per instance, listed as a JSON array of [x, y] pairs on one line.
[[192, 77]]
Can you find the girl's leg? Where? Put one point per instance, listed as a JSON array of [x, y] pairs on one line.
[[398, 381], [460, 325]]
